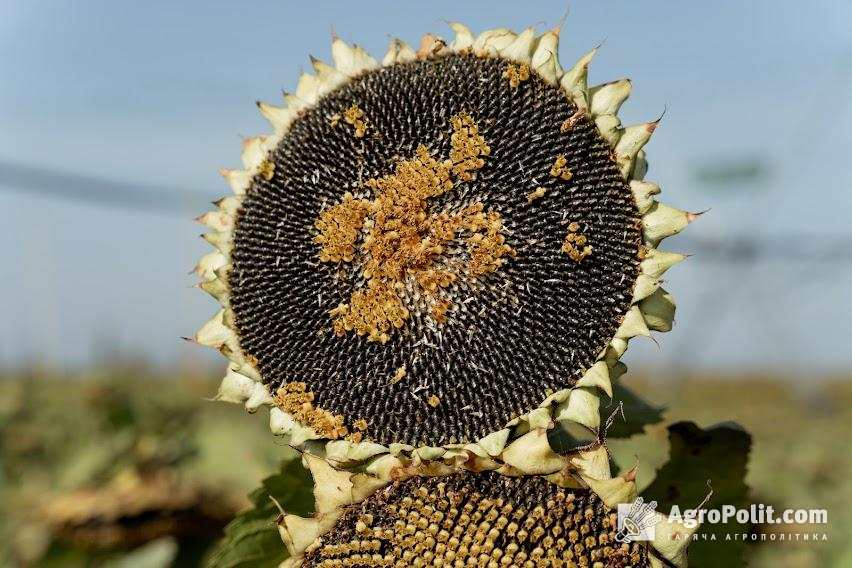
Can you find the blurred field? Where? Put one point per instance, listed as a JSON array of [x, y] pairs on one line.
[[138, 436], [128, 433]]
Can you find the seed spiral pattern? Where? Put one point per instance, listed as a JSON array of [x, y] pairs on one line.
[[485, 520], [510, 337]]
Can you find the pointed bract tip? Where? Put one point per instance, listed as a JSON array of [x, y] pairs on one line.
[[652, 126], [555, 30], [313, 59], [630, 474], [564, 18], [690, 217]]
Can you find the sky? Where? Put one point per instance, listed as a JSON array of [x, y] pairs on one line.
[[159, 94]]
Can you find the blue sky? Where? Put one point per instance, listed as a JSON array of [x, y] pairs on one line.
[[159, 93]]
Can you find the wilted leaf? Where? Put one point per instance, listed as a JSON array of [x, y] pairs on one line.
[[718, 454], [251, 539]]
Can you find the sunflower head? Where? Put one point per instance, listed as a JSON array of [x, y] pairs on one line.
[[486, 517], [466, 511], [132, 510], [435, 249]]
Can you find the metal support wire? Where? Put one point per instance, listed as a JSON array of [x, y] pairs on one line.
[[743, 248]]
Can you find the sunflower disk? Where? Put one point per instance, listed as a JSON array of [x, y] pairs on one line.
[[443, 250]]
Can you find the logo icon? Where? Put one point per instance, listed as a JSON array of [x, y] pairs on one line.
[[636, 521]]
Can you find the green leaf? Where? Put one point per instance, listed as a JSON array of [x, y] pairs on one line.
[[638, 413], [252, 539], [567, 436], [718, 454]]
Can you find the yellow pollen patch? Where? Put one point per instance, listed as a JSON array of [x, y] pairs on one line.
[[355, 117], [537, 194], [559, 169], [569, 122], [403, 244], [440, 309], [296, 400], [266, 169], [516, 74], [373, 311], [400, 374], [574, 244], [339, 228]]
